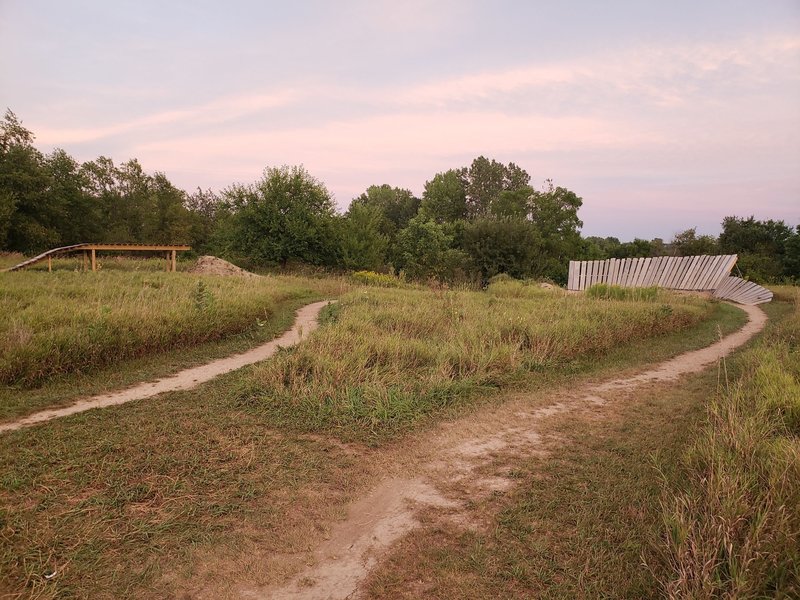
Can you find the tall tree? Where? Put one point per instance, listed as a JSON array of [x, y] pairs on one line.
[[79, 214], [397, 205], [287, 215], [28, 217], [363, 245], [688, 243], [761, 246], [485, 180], [444, 199]]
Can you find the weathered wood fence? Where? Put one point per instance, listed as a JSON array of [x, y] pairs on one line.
[[691, 273], [672, 272], [741, 291]]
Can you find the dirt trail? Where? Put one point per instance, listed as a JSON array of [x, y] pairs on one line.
[[463, 461], [305, 323]]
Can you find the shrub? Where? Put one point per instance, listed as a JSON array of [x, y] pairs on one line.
[[377, 279], [604, 291]]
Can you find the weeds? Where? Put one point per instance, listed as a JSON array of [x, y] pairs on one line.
[[605, 291], [63, 322], [732, 523], [395, 357]]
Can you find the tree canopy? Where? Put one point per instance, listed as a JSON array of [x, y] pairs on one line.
[[471, 222]]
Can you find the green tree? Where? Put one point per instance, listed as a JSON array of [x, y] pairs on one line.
[[444, 199], [80, 218], [286, 216], [28, 215], [166, 220], [397, 206], [425, 250], [363, 246], [205, 210], [638, 248], [554, 213], [485, 179], [510, 246], [688, 243]]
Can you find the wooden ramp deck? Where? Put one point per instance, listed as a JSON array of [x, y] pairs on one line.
[[690, 273], [91, 250]]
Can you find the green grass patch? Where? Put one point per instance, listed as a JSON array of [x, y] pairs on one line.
[[63, 322], [128, 501], [605, 291], [393, 358], [732, 519], [71, 334]]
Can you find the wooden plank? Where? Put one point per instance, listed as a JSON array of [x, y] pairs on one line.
[[687, 264], [661, 261], [636, 265], [623, 271], [94, 260], [724, 287], [723, 272], [706, 267], [582, 276], [683, 282], [618, 264], [672, 274], [612, 270], [699, 269], [631, 272], [637, 272], [712, 268], [648, 274], [669, 271], [571, 276], [137, 247], [643, 273]]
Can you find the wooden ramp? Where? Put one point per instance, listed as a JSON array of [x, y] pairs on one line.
[[738, 290], [91, 250], [690, 273]]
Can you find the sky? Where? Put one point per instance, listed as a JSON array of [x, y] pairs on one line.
[[660, 115]]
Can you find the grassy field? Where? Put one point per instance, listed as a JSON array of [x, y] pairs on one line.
[[393, 357], [64, 322], [710, 508], [158, 497], [66, 333]]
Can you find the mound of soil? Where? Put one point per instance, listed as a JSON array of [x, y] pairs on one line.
[[211, 265]]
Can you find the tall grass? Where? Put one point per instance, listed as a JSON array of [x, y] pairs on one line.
[[62, 322], [733, 527], [391, 357], [605, 291]]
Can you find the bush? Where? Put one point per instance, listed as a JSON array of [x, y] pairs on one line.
[[377, 279], [604, 291]]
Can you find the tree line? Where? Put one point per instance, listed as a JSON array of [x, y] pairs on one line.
[[469, 224]]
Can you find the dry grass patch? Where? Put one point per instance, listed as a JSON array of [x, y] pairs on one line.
[[392, 358]]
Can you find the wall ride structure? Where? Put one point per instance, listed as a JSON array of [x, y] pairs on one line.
[[691, 273]]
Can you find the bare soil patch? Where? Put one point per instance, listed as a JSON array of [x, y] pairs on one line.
[[211, 265]]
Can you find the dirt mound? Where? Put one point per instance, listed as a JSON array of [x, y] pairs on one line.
[[211, 265]]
